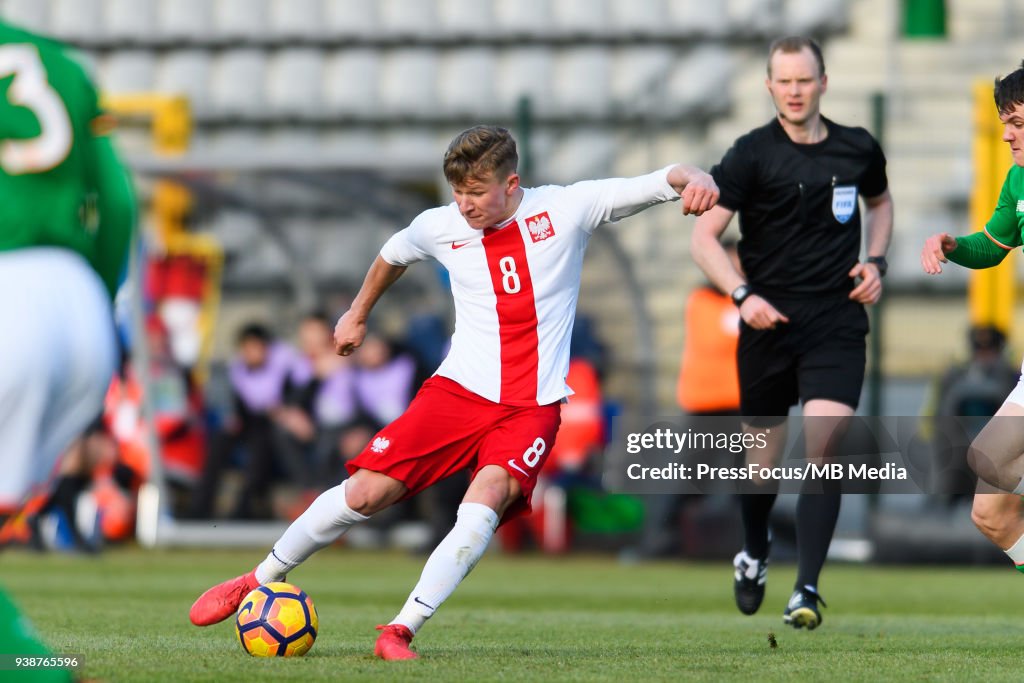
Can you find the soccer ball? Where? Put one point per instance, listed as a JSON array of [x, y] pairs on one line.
[[277, 620]]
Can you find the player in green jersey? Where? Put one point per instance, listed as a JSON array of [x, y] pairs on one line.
[[997, 453], [65, 223]]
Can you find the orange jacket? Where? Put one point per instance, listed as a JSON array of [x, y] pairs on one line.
[[708, 378]]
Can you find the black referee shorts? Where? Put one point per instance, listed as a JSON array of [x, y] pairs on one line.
[[819, 354]]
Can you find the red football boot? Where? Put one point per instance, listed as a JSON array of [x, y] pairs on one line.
[[393, 643], [221, 601]]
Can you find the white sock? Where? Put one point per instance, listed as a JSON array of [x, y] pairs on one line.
[[323, 522], [448, 565], [1016, 552]]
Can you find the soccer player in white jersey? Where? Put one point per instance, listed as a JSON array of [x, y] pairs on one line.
[[515, 256]]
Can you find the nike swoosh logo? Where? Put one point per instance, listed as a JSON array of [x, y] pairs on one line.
[[460, 245], [424, 604]]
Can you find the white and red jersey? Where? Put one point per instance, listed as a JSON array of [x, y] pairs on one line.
[[516, 285]]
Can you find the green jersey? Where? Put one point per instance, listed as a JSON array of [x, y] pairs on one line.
[[1007, 223], [60, 179], [1003, 232]]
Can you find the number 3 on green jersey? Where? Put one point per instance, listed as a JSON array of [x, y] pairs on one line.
[[31, 90]]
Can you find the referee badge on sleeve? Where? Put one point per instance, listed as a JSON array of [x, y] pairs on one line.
[[844, 202]]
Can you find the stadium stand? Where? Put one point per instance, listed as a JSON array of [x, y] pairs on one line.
[[615, 86]]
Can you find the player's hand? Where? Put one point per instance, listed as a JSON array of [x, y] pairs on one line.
[[760, 314], [869, 289], [933, 255], [700, 193], [348, 334]]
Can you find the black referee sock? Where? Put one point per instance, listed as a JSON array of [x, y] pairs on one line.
[[816, 515], [755, 510]]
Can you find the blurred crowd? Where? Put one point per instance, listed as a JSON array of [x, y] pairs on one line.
[[271, 427]]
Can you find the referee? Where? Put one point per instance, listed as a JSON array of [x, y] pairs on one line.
[[795, 183]]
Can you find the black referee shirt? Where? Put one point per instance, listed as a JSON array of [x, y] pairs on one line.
[[798, 211]]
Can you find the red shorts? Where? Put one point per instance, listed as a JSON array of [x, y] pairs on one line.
[[447, 428]]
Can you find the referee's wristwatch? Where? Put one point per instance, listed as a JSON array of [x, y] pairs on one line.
[[880, 263], [740, 294]]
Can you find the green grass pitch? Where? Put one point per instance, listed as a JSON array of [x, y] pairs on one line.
[[530, 618]]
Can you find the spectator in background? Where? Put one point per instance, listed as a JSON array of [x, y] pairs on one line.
[[177, 414], [384, 379], [427, 339], [709, 382], [93, 499], [261, 376], [977, 387], [586, 344], [324, 396]]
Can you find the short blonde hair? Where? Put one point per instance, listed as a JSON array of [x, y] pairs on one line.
[[482, 152]]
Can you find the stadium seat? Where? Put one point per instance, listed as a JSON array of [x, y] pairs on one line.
[[699, 84], [639, 17], [698, 18], [408, 83], [241, 19], [131, 20], [350, 18], [295, 81], [524, 18], [415, 146], [525, 71], [31, 14], [352, 143], [296, 19], [815, 18], [464, 17], [585, 152], [186, 72], [77, 19], [350, 82], [638, 76], [185, 20], [760, 18], [238, 81], [345, 250], [291, 142], [581, 17], [408, 18], [128, 71], [466, 82], [581, 81]]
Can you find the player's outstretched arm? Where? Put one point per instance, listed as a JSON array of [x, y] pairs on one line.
[[973, 251], [696, 188], [351, 328]]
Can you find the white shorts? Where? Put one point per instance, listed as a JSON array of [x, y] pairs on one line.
[[57, 356]]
